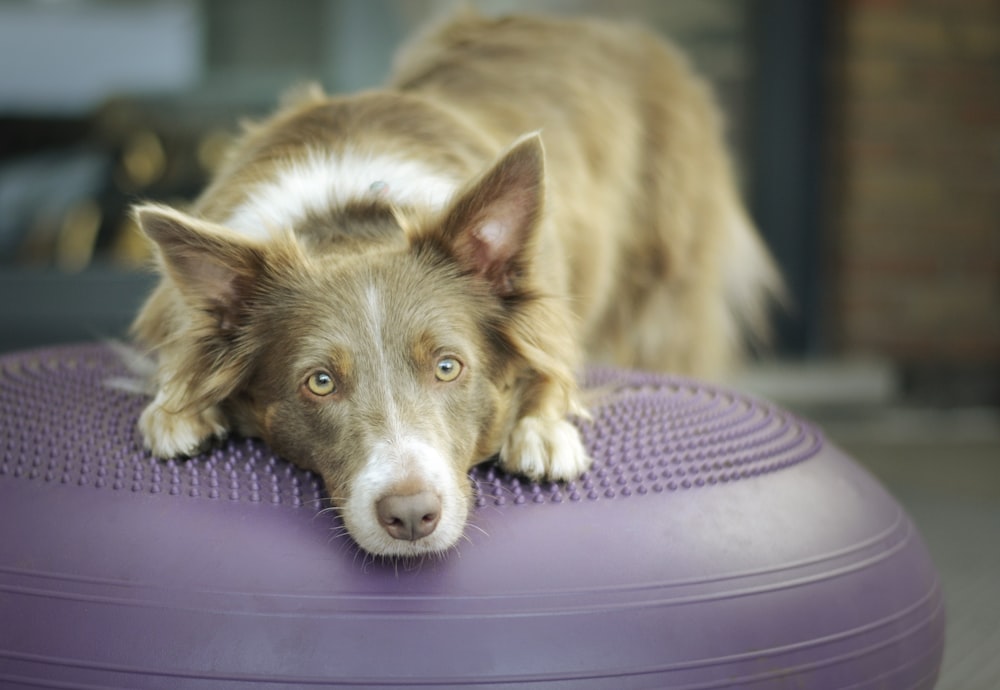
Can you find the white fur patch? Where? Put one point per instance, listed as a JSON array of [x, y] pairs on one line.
[[545, 448], [170, 434], [375, 314], [322, 181], [391, 462]]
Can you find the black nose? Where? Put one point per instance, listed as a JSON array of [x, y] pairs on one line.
[[410, 517]]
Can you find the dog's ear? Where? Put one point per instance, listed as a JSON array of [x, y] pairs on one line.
[[212, 267], [490, 228]]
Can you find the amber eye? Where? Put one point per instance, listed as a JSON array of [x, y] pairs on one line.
[[321, 383], [447, 369]]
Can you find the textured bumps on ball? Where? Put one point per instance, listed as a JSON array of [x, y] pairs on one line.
[[649, 436]]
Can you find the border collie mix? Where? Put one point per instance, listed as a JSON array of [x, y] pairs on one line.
[[393, 286]]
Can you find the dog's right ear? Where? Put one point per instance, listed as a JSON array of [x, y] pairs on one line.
[[490, 228], [212, 267]]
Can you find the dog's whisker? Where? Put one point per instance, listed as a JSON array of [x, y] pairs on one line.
[[320, 500], [481, 530], [346, 545], [337, 535], [332, 510]]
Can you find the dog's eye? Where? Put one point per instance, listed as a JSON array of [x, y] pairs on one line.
[[447, 369], [321, 383]]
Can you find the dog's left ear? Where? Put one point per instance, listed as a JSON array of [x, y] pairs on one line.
[[490, 229]]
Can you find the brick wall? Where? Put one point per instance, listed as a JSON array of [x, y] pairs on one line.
[[915, 232]]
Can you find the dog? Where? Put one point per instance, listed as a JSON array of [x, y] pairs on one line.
[[393, 286]]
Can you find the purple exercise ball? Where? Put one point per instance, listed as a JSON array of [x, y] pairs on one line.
[[717, 542]]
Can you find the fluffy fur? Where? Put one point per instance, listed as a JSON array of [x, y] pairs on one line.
[[393, 286]]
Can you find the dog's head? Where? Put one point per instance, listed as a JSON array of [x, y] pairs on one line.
[[390, 361]]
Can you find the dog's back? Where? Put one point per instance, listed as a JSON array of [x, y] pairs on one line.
[[646, 233]]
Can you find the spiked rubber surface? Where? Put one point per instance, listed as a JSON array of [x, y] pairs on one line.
[[718, 541]]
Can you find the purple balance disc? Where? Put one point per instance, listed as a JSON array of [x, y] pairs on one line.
[[718, 542]]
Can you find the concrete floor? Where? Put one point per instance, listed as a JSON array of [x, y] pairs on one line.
[[952, 491]]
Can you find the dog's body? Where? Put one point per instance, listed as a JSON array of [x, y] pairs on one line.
[[373, 285]]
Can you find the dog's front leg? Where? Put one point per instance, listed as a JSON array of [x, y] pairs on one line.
[[543, 444], [171, 430]]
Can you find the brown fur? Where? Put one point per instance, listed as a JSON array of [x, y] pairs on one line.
[[638, 253]]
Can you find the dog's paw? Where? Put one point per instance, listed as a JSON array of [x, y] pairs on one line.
[[170, 434], [544, 449]]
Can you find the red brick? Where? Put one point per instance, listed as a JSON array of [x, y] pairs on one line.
[[956, 79], [874, 77], [879, 4], [889, 32], [915, 247], [985, 115], [980, 39]]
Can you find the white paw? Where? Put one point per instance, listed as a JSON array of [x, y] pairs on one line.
[[544, 449], [170, 434]]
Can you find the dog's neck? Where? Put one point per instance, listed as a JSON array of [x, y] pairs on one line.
[[385, 148]]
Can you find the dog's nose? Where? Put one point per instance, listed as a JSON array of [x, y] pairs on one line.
[[410, 517]]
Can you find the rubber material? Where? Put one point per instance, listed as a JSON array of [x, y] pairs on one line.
[[717, 542]]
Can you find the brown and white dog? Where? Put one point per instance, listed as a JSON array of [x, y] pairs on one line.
[[393, 286]]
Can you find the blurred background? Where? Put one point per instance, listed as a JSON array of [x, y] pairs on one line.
[[867, 135]]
